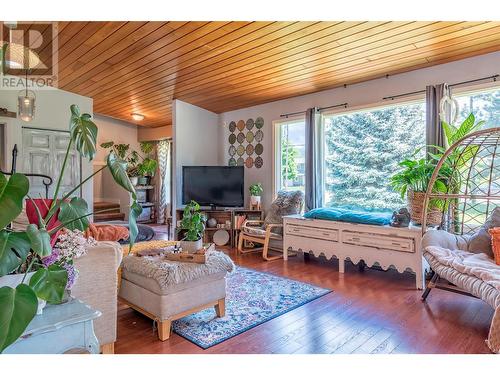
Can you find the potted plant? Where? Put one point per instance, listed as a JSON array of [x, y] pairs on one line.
[[193, 222], [140, 168], [255, 194], [414, 178], [25, 274]]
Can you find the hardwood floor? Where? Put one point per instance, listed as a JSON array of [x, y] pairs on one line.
[[368, 312]]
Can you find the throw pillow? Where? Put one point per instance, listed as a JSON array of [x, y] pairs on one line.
[[480, 242], [286, 203], [495, 244]]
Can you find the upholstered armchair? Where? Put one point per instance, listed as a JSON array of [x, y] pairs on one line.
[[269, 232]]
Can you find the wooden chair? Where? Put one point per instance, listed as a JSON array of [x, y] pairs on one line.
[[269, 232]]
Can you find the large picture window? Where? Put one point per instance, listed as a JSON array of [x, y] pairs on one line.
[[363, 149], [289, 163], [484, 104]]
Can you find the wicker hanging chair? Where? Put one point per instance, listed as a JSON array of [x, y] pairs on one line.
[[470, 172]]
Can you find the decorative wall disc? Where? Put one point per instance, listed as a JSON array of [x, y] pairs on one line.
[[245, 142], [259, 122], [240, 138], [259, 162], [250, 137], [259, 135], [240, 125], [249, 149], [250, 124], [240, 150], [232, 126], [249, 162], [259, 149]]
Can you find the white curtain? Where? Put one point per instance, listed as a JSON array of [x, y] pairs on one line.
[[164, 181]]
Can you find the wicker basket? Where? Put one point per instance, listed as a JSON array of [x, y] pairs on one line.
[[416, 209]]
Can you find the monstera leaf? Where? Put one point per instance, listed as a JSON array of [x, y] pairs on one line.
[[12, 193], [72, 214], [118, 169], [135, 212], [40, 240], [14, 249], [18, 310], [83, 132], [49, 283]]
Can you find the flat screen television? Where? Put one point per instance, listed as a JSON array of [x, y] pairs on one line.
[[213, 186]]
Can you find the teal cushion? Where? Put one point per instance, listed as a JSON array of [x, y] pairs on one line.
[[350, 215]]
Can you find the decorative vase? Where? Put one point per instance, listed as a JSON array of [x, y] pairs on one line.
[[191, 246], [134, 180], [212, 222], [254, 200], [416, 209], [13, 281]]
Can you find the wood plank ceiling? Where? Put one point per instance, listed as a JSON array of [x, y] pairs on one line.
[[140, 67]]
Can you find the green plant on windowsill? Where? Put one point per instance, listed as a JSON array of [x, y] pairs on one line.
[[22, 252]]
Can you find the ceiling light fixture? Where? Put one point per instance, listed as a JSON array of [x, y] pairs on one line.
[[137, 116], [26, 103]]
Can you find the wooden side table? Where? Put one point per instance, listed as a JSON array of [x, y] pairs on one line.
[[59, 329]]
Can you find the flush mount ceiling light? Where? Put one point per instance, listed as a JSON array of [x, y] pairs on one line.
[[15, 55], [137, 116]]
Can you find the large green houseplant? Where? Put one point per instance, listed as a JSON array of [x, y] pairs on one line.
[[23, 252], [414, 177], [139, 165], [193, 223]]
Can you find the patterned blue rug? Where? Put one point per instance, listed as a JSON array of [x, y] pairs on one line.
[[252, 298]]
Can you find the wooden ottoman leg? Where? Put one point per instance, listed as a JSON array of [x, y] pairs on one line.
[[164, 329], [108, 348], [220, 308]]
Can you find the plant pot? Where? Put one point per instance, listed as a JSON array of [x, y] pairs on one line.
[[13, 281], [143, 180], [254, 200], [134, 180], [191, 246], [416, 209]]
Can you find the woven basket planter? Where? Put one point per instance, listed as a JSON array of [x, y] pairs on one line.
[[416, 209]]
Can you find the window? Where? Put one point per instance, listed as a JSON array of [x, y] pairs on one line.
[[363, 149], [484, 104], [290, 153]]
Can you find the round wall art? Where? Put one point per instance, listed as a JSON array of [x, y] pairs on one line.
[[240, 125], [245, 137]]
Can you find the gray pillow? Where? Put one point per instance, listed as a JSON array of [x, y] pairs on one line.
[[480, 242]]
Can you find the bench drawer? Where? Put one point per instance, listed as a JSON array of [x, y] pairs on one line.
[[378, 241], [319, 233]]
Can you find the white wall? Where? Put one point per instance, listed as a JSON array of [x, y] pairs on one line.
[[51, 112], [364, 93], [195, 141]]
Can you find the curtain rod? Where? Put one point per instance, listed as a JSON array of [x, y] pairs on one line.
[[493, 77], [317, 110]]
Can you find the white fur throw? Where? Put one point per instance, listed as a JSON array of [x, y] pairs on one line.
[[167, 272]]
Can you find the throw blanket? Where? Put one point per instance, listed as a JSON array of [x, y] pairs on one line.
[[477, 265], [168, 273], [106, 232]]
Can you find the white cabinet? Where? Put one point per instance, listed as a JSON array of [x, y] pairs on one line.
[[384, 245]]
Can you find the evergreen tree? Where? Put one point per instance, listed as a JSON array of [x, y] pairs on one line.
[[363, 151], [288, 162]]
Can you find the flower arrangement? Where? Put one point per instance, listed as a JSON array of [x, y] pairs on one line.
[[70, 245]]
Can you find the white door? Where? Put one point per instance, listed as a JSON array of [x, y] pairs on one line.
[[43, 153]]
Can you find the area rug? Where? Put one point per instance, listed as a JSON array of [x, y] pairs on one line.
[[252, 298]]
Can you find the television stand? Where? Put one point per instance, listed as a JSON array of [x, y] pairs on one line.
[[228, 219]]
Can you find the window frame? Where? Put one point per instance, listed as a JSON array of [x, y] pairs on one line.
[[276, 148]]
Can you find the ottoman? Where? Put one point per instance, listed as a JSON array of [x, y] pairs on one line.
[[166, 290]]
